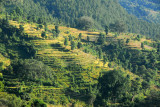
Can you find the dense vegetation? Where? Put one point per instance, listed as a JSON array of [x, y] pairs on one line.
[[69, 12], [103, 12], [57, 65], [143, 9]]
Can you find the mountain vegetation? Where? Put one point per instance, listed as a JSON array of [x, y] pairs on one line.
[[103, 12], [99, 63], [143, 9]]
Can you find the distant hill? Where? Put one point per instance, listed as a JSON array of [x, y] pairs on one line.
[[144, 9]]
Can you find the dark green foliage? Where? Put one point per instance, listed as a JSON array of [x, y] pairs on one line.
[[88, 38], [40, 26], [79, 45], [21, 28], [21, 11], [11, 101], [141, 9], [46, 27], [25, 96], [13, 39], [106, 30], [80, 36], [34, 70], [118, 26], [97, 10], [113, 85], [57, 29], [43, 35], [73, 45], [100, 53], [38, 103], [85, 23], [127, 41], [66, 42], [101, 39], [142, 45], [70, 37]]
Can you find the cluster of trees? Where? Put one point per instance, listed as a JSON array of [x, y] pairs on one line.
[[102, 12], [32, 70], [14, 39], [20, 11], [141, 9], [74, 44]]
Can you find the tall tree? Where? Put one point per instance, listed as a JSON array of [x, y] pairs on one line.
[[88, 38], [73, 45], [85, 23], [118, 27], [66, 41], [106, 30], [113, 85]]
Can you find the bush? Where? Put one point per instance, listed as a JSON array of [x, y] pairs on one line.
[[38, 103], [85, 23], [31, 69]]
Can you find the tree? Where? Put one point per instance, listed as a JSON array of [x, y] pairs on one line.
[[43, 35], [85, 22], [21, 28], [113, 85], [73, 45], [79, 45], [46, 27], [142, 45], [88, 38], [57, 29], [80, 36], [118, 27], [66, 42], [40, 26], [106, 30], [100, 53], [70, 37], [31, 69], [101, 38], [127, 41]]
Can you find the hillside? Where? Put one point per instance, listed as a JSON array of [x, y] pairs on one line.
[[73, 73], [104, 12], [143, 9]]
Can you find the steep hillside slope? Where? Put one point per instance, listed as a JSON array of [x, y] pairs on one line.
[[103, 12], [144, 9], [22, 10], [44, 67]]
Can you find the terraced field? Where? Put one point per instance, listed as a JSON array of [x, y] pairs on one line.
[[52, 52]]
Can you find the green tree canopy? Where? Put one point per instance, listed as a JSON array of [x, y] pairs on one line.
[[113, 84], [85, 22], [31, 69], [118, 27]]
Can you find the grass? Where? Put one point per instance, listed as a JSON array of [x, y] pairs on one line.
[[6, 62], [54, 54]]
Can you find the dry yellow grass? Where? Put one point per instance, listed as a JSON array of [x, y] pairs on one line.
[[6, 62], [79, 56]]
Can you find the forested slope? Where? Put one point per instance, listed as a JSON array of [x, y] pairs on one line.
[[45, 63], [143, 9], [66, 66], [104, 12]]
